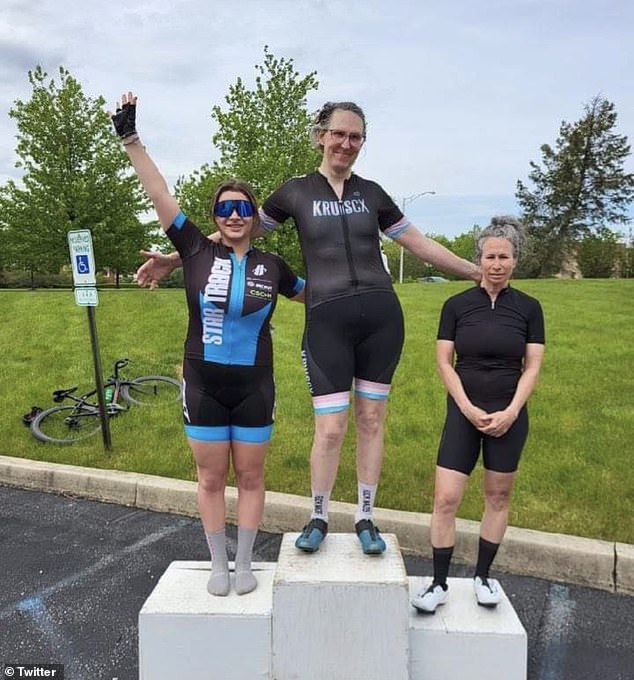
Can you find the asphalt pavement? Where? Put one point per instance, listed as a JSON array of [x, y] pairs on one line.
[[76, 572]]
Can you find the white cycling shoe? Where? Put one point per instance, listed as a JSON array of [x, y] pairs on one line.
[[427, 600], [487, 592]]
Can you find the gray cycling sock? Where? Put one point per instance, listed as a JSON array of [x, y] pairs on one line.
[[245, 580], [218, 583]]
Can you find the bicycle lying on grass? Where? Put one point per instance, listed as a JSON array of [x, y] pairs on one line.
[[70, 423]]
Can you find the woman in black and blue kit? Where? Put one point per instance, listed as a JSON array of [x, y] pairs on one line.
[[497, 334], [229, 392]]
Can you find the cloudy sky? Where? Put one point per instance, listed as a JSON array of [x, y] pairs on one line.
[[459, 94]]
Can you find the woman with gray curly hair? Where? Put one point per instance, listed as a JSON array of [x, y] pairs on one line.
[[496, 334]]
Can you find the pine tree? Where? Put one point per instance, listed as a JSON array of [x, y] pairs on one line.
[[580, 188]]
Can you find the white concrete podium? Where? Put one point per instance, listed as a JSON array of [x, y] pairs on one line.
[[339, 613], [186, 633], [464, 640], [335, 614]]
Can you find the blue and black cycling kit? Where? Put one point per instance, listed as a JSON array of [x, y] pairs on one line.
[[228, 369]]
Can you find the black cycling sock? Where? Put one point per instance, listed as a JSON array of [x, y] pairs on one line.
[[442, 560], [486, 554]]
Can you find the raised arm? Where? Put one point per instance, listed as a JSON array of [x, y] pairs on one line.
[[152, 181], [436, 254]]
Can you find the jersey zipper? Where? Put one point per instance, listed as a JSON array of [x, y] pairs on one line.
[[354, 281], [236, 301], [352, 272]]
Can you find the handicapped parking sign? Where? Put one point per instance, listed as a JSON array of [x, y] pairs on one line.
[[83, 264], [81, 257]]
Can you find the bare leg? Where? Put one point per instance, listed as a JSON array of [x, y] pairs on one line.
[[497, 499], [330, 430], [248, 463], [212, 460], [370, 421], [449, 489]]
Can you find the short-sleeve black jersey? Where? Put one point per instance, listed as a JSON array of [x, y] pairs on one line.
[[339, 237], [230, 302], [490, 339]]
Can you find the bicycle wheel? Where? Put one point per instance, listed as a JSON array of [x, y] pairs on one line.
[[151, 390], [66, 424]]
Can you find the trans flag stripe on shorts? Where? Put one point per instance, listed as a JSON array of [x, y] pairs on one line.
[[371, 390], [331, 403]]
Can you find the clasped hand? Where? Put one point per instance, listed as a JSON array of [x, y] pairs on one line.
[[493, 424]]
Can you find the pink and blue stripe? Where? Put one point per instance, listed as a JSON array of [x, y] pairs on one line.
[[331, 403], [371, 390], [399, 228]]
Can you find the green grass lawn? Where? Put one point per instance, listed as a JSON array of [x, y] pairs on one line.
[[576, 475]]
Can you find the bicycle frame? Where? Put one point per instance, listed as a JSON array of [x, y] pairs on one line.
[[84, 400]]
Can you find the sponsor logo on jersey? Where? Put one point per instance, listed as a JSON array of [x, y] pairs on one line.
[[215, 292], [260, 289], [335, 208], [259, 270]]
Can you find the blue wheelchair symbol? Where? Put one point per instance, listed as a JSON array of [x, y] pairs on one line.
[[83, 264]]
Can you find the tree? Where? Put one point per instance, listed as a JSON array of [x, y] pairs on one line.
[[597, 254], [76, 176], [581, 187], [464, 244], [263, 138]]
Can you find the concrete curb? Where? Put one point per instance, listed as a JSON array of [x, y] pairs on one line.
[[555, 557]]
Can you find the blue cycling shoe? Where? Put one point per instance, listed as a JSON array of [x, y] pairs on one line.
[[312, 535], [370, 538]]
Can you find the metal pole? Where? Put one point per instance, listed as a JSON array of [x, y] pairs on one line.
[[105, 421], [406, 200]]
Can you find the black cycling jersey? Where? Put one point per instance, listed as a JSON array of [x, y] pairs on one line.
[[230, 302], [490, 343], [339, 237], [490, 340]]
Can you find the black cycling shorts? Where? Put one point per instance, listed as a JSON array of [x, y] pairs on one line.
[[227, 402], [460, 442], [357, 337]]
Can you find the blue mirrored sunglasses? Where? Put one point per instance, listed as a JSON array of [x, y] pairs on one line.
[[226, 208]]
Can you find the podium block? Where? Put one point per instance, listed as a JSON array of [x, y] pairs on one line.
[[335, 614], [464, 640], [340, 614], [184, 632]]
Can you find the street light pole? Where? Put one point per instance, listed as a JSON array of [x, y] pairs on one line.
[[406, 200]]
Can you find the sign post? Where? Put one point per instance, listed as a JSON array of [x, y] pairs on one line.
[[84, 280]]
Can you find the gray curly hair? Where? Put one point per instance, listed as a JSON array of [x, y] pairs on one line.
[[502, 226], [321, 119]]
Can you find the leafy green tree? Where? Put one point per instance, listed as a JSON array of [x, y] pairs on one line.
[[581, 186], [464, 244], [597, 254], [76, 176], [263, 138]]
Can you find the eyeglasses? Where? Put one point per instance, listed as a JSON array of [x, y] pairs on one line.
[[340, 136], [226, 208]]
